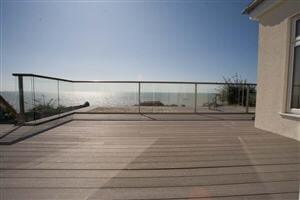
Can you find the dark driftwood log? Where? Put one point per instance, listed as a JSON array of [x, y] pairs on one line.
[[4, 105]]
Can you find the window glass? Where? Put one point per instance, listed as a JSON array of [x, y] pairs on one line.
[[296, 79], [297, 28]]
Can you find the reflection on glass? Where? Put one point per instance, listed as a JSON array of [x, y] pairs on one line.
[[252, 98], [66, 94], [107, 97], [45, 97], [231, 98], [297, 28], [157, 97], [45, 92], [210, 97], [296, 80], [28, 93], [28, 98]]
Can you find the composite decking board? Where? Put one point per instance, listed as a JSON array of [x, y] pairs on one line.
[[150, 149], [151, 160], [153, 150], [76, 194], [198, 149], [97, 143], [160, 133], [158, 142], [198, 145], [177, 141], [143, 166], [288, 152], [98, 174], [61, 161], [199, 140], [135, 155], [205, 151], [150, 182], [130, 142], [72, 158], [148, 173], [99, 146], [293, 151], [157, 193]]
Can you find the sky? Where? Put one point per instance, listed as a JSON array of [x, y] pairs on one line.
[[167, 40]]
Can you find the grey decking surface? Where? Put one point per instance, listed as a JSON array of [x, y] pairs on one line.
[[151, 160]]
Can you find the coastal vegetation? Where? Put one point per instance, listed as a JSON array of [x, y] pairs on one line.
[[235, 91], [47, 109]]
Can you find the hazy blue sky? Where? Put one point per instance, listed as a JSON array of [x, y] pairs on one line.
[[200, 40]]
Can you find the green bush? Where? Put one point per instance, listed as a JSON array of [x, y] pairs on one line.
[[44, 109], [47, 109], [235, 93]]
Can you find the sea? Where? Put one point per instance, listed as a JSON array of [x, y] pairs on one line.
[[105, 99]]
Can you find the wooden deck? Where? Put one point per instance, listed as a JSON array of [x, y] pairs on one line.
[[151, 160]]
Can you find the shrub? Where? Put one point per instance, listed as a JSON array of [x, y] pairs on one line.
[[235, 93], [47, 109], [42, 110]]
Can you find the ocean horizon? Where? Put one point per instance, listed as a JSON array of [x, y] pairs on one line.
[[105, 99]]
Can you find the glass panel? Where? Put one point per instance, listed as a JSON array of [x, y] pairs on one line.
[[28, 98], [252, 98], [45, 97], [296, 79], [107, 97], [228, 98], [66, 97], [157, 97], [297, 28], [15, 102]]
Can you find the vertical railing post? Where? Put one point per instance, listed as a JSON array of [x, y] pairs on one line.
[[33, 98], [139, 97], [58, 94], [243, 94], [196, 94], [247, 100], [239, 93], [21, 96]]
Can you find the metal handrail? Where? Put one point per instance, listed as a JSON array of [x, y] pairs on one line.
[[109, 81]]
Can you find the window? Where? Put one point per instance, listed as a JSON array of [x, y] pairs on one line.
[[295, 68]]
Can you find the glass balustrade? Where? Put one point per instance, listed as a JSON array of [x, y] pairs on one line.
[[47, 96]]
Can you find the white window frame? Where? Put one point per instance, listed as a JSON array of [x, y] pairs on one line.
[[294, 43]]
